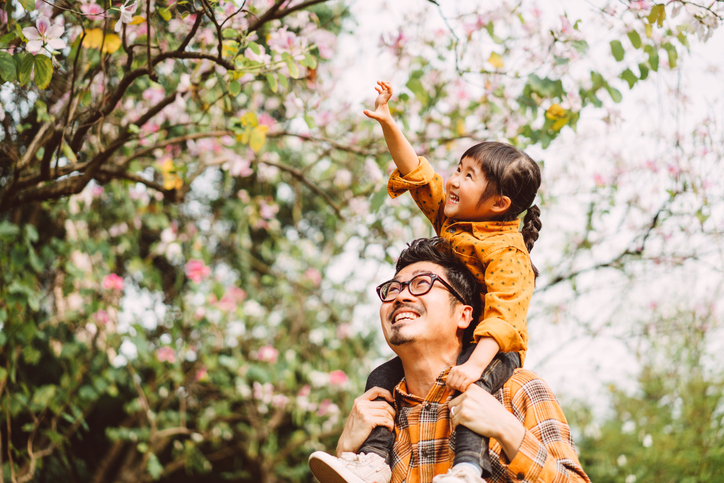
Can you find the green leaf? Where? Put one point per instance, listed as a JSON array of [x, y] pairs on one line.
[[31, 233], [8, 71], [417, 88], [644, 70], [658, 15], [8, 230], [673, 55], [283, 81], [254, 47], [614, 93], [653, 57], [44, 394], [617, 50], [580, 45], [292, 66], [230, 34], [43, 71], [310, 121], [493, 37], [28, 5], [635, 39], [8, 37], [154, 467], [26, 67], [309, 61], [629, 77], [234, 88], [165, 13], [378, 199], [68, 153], [133, 129], [3, 374], [272, 80]]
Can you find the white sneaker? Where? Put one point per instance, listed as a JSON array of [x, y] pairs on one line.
[[350, 468], [459, 474]]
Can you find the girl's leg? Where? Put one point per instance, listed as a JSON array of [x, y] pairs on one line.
[[470, 447], [386, 376]]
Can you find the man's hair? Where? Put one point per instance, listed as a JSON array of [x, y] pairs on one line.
[[438, 251]]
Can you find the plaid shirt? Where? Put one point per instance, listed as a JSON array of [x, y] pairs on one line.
[[425, 439]]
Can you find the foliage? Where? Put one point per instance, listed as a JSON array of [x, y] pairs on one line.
[[671, 428], [178, 211]]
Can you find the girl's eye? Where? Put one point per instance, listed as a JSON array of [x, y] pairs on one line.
[[469, 176]]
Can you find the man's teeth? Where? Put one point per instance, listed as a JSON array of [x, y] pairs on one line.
[[405, 316]]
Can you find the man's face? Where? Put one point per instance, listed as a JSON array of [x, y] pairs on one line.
[[428, 318]]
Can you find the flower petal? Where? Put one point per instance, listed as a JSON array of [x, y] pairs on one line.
[[117, 28], [31, 33], [34, 46], [43, 24], [57, 44], [55, 32]]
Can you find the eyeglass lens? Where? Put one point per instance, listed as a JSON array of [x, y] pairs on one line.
[[418, 285]]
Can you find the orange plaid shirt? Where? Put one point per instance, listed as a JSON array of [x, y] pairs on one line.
[[425, 439], [493, 251]]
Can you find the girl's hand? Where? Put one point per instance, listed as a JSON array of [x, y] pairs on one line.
[[382, 110], [460, 377]]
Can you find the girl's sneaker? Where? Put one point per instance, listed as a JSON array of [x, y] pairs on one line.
[[459, 474], [350, 468]]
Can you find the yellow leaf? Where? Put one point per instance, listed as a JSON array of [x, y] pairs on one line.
[[649, 30], [496, 61], [167, 167], [249, 119], [555, 112], [93, 38], [258, 138], [136, 20], [558, 125], [112, 43]]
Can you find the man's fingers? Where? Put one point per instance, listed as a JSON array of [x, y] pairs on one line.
[[376, 392]]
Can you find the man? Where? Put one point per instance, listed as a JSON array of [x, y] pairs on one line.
[[424, 323]]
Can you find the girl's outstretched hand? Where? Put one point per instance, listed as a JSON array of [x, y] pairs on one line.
[[382, 110]]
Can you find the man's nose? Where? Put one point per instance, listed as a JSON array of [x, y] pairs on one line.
[[404, 294]]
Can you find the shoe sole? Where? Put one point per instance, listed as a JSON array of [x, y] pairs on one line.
[[325, 473]]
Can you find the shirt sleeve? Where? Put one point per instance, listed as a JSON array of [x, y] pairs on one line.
[[547, 453], [426, 188], [509, 282]]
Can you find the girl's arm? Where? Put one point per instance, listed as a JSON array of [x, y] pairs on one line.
[[402, 152]]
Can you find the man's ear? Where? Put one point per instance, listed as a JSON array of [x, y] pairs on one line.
[[501, 205], [465, 316]]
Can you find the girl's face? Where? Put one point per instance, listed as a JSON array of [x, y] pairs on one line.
[[463, 191]]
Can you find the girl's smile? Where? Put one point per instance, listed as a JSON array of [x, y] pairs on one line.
[[464, 191]]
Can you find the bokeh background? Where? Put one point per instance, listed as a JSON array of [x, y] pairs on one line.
[[193, 216]]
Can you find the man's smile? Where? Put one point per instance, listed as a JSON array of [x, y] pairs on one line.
[[404, 313]]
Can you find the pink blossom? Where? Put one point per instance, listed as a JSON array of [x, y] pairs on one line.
[[201, 374], [92, 10], [282, 40], [640, 5], [267, 354], [3, 17], [166, 354], [313, 275], [599, 180], [305, 391], [97, 191], [43, 35], [127, 12], [266, 120], [325, 42], [279, 400], [651, 164], [344, 331], [231, 299], [238, 166], [268, 211], [674, 170], [113, 282], [101, 317], [196, 270], [566, 27], [325, 407], [337, 378], [154, 95]]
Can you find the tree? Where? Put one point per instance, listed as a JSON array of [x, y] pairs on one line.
[[177, 209]]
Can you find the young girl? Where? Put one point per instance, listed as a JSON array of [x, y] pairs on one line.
[[478, 214]]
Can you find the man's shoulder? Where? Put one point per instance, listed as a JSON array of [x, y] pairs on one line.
[[526, 383]]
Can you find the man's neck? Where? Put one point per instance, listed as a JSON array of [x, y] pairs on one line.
[[422, 368]]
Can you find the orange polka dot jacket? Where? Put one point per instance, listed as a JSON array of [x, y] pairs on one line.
[[494, 251]]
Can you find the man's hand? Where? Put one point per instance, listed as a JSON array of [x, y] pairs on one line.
[[382, 111], [460, 377], [480, 412], [366, 415]]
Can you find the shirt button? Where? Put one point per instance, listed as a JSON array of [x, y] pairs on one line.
[[520, 476]]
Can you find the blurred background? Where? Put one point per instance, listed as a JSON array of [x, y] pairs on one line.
[[193, 217]]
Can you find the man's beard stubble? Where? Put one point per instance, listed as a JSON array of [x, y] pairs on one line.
[[396, 338]]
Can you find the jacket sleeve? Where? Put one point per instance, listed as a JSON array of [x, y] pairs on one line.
[[426, 188], [509, 282]]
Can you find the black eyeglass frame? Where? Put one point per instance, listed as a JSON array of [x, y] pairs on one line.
[[432, 276]]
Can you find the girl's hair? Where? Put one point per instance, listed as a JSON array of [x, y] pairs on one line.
[[512, 173]]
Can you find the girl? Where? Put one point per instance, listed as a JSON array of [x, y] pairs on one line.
[[478, 214]]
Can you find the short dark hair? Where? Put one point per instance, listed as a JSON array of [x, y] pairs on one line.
[[438, 251]]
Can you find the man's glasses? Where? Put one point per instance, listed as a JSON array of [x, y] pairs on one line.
[[418, 285]]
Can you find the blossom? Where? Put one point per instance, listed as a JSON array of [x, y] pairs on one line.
[[92, 10], [337, 378], [43, 35], [201, 374], [313, 275], [196, 270], [113, 282], [166, 354], [101, 317], [267, 354], [126, 15], [231, 299]]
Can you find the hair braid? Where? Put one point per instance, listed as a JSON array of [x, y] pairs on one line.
[[531, 227]]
